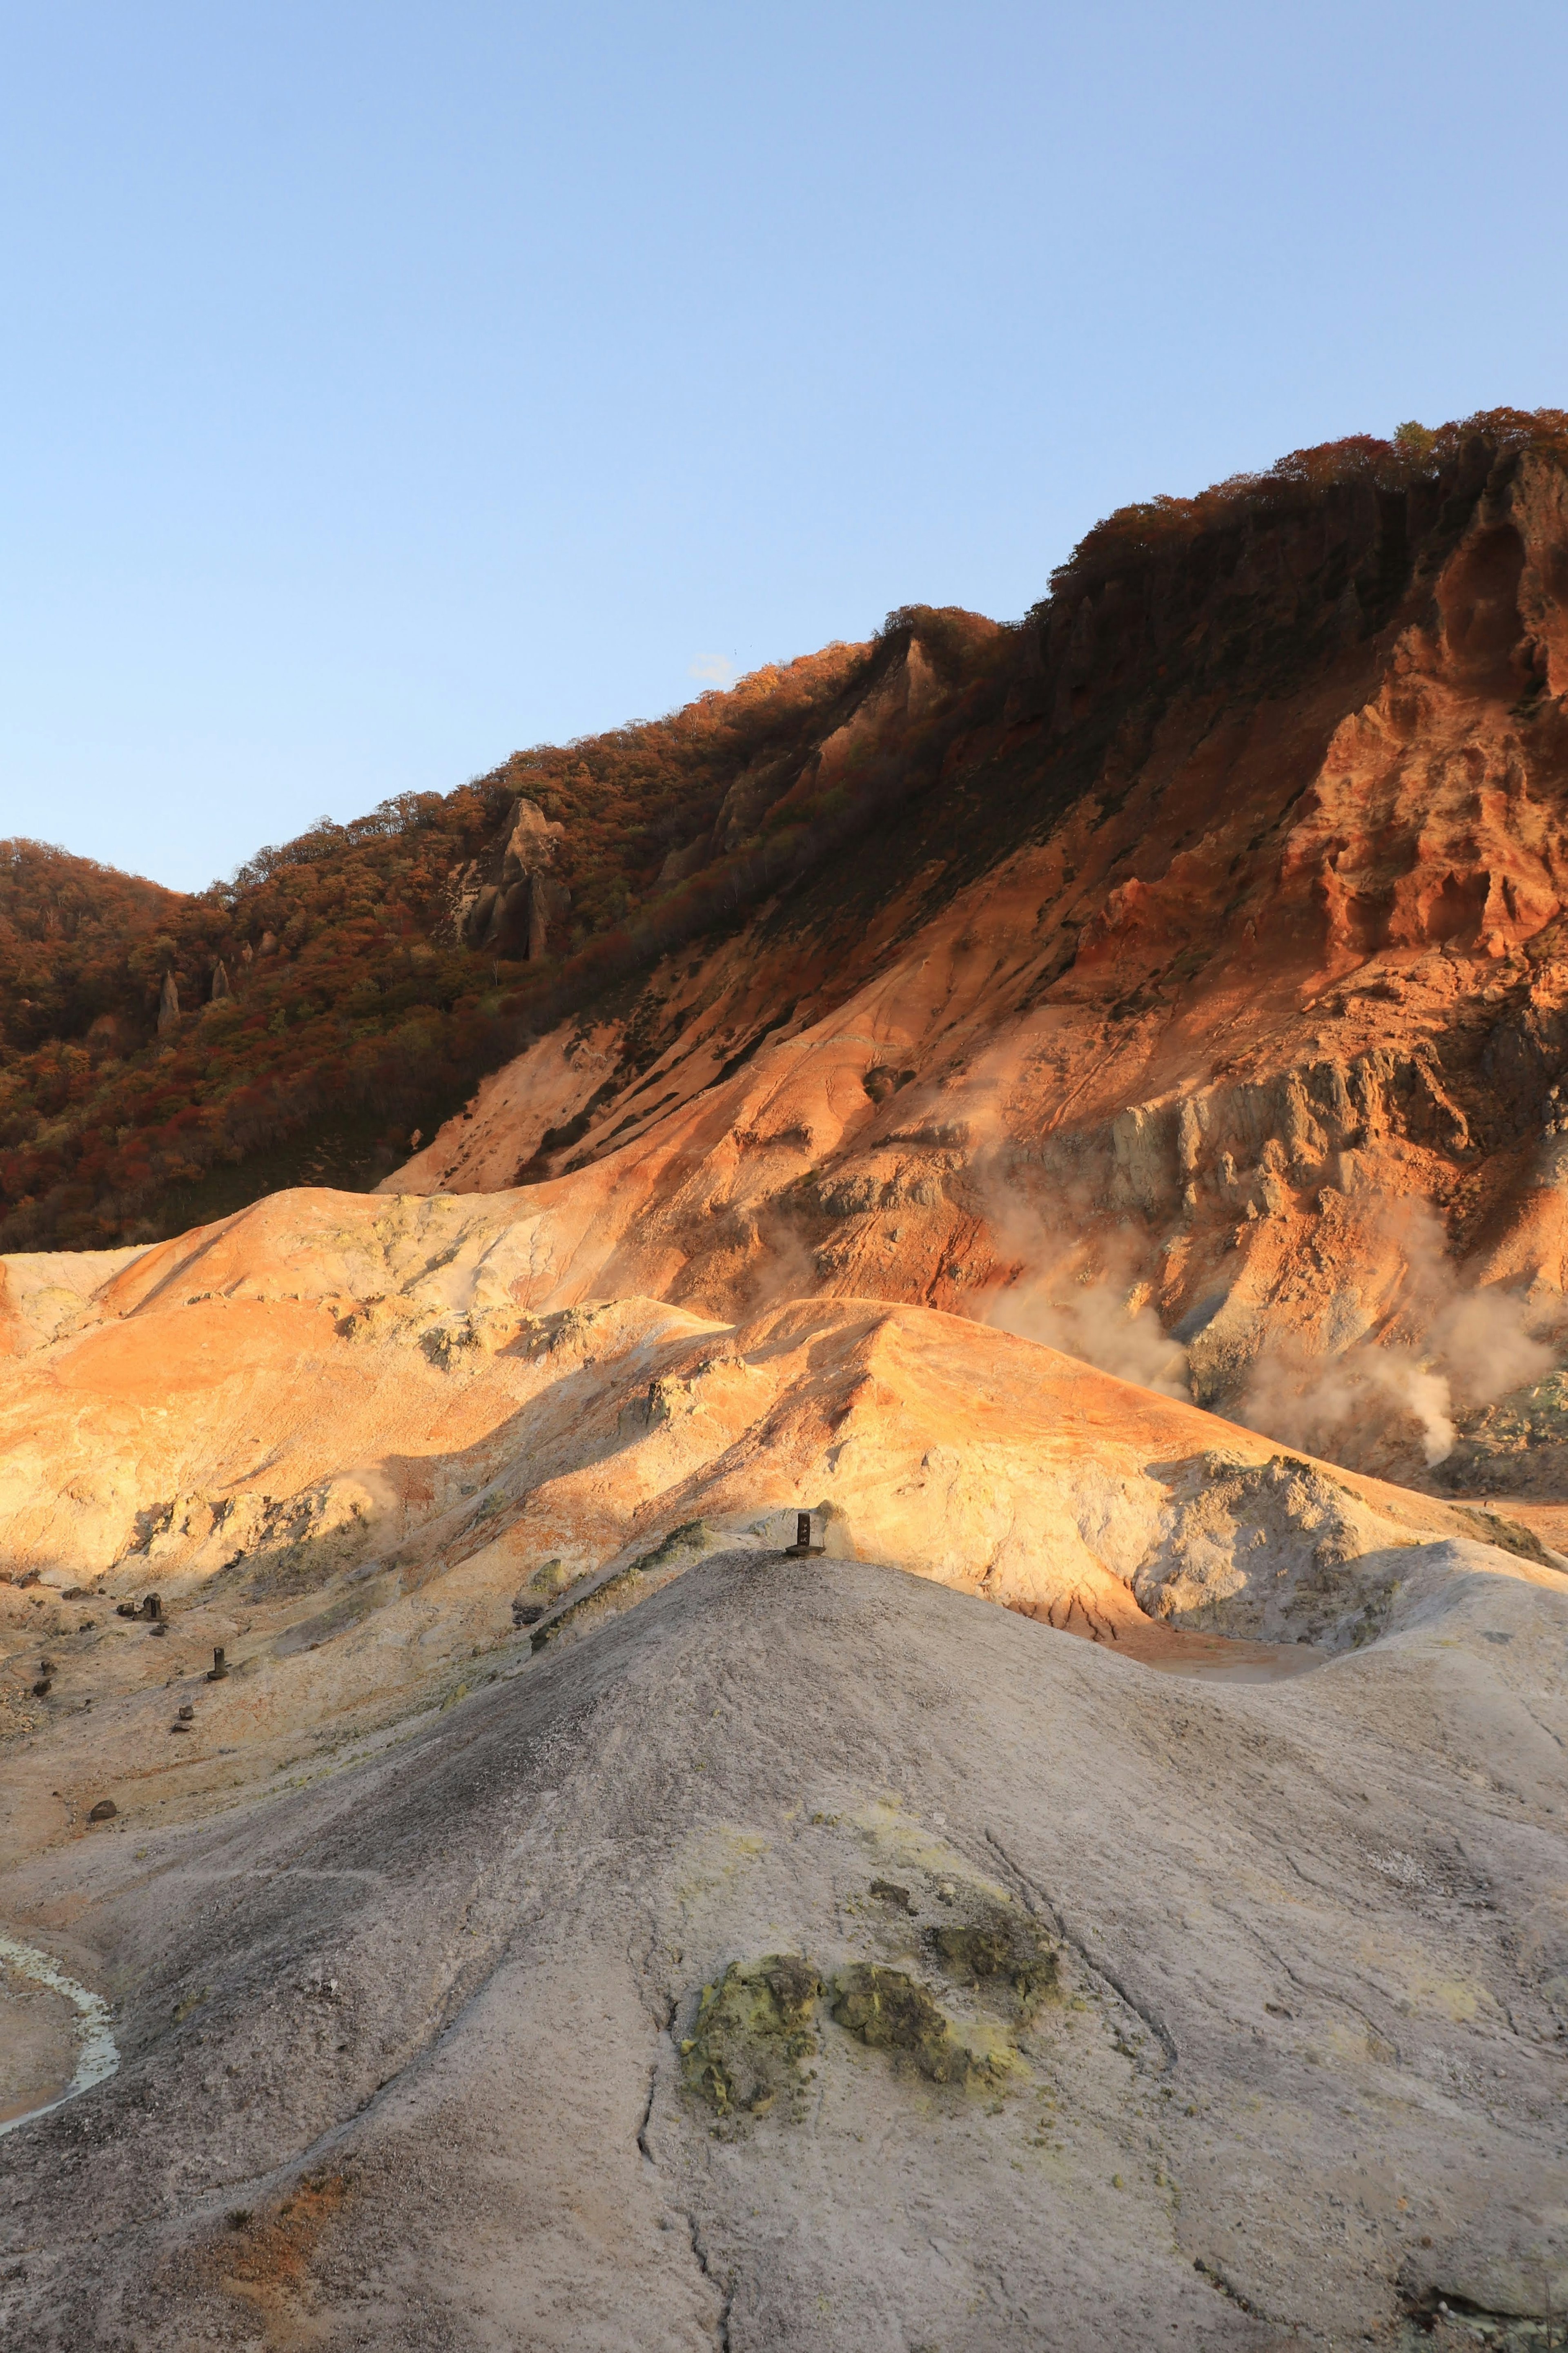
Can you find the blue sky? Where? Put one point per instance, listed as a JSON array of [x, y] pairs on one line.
[[387, 387]]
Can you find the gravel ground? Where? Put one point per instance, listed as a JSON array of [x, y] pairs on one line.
[[418, 2056]]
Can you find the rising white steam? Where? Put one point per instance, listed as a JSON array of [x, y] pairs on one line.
[[1442, 1351], [1087, 1300], [1438, 1351]]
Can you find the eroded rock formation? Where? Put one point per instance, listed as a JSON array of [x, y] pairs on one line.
[[511, 901], [1241, 992]]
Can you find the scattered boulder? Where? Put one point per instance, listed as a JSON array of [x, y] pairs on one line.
[[104, 1812]]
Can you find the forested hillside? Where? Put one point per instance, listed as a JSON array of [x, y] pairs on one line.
[[164, 1058]]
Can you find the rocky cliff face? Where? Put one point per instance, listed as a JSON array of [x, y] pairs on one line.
[[1211, 995], [509, 900]]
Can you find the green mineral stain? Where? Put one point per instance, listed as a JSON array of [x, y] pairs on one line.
[[753, 2028], [889, 2011], [1000, 1952], [691, 1536]]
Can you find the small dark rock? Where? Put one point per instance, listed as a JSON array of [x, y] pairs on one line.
[[891, 1892], [104, 1812], [42, 1688]]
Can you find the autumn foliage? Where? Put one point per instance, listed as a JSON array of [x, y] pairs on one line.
[[352, 1017], [1416, 453], [326, 1007]]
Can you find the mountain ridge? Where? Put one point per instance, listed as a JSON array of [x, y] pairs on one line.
[[1208, 922], [365, 1006]]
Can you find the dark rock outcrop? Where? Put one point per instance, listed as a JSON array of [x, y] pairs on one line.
[[509, 902]]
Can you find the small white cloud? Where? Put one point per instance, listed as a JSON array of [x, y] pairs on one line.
[[715, 669]]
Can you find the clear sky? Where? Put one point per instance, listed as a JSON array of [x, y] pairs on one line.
[[386, 387]]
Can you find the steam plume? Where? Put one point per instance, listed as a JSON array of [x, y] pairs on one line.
[[1444, 1351]]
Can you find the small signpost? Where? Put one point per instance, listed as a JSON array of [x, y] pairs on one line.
[[803, 1543]]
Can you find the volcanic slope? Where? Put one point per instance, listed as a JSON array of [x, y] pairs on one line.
[[562, 1912], [566, 1908], [820, 1959], [1208, 1015]]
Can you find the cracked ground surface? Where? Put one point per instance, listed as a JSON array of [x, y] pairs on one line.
[[403, 2052]]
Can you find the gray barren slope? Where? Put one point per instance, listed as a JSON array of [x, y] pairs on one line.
[[404, 2056]]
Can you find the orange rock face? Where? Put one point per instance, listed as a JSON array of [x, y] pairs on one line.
[[1237, 1063]]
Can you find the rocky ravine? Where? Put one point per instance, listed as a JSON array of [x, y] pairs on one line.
[[1209, 1975]]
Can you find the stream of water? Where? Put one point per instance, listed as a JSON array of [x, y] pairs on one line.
[[98, 2054]]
